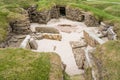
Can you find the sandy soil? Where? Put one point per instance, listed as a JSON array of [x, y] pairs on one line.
[[63, 48]]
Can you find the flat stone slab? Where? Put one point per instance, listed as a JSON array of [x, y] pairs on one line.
[[78, 44], [79, 55], [47, 30]]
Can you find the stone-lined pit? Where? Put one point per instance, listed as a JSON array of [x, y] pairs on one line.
[[71, 46]]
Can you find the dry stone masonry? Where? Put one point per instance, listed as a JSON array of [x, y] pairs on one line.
[[92, 39], [21, 25], [74, 14], [58, 11]]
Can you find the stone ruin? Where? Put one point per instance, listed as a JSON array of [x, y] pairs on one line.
[[58, 11], [21, 27]]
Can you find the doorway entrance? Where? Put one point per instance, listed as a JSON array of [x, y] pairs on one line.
[[62, 11]]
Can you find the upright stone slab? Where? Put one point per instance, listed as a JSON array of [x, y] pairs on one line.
[[25, 43], [33, 44]]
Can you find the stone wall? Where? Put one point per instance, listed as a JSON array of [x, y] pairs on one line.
[[92, 39], [47, 30], [55, 12], [71, 13], [74, 14], [39, 16], [52, 36], [80, 15], [90, 20], [21, 25]]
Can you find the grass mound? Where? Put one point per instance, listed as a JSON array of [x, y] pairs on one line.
[[19, 64], [108, 56], [114, 10]]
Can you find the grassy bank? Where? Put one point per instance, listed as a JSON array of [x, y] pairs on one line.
[[108, 56], [20, 64]]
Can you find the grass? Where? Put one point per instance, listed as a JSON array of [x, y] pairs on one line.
[[19, 64], [113, 10], [108, 55]]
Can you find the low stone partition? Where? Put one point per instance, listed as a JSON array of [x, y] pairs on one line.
[[25, 43], [29, 43], [92, 39], [47, 30], [52, 36]]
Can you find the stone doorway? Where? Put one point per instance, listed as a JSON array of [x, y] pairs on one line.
[[62, 11]]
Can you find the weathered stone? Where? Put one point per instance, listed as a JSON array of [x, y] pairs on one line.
[[55, 12], [67, 28], [52, 36], [79, 55], [33, 44], [111, 34], [102, 28], [46, 30], [104, 33], [90, 20], [20, 36], [74, 14], [39, 16], [78, 44], [37, 36], [21, 25], [92, 39], [25, 42]]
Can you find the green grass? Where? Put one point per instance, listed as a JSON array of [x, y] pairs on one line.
[[108, 55], [19, 64], [107, 0], [113, 10]]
